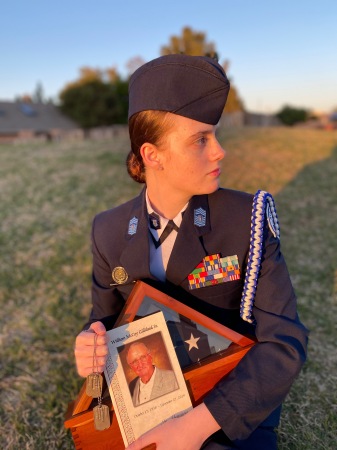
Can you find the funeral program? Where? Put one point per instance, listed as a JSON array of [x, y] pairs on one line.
[[144, 377]]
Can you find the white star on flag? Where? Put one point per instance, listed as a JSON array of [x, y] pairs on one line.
[[192, 342]]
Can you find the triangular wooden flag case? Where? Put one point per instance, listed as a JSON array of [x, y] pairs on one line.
[[218, 351]]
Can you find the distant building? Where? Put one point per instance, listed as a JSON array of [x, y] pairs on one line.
[[331, 123], [261, 120], [249, 119], [320, 120], [26, 120]]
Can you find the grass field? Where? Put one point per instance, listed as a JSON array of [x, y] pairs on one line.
[[49, 195]]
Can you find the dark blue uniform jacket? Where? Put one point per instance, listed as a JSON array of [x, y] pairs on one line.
[[244, 400]]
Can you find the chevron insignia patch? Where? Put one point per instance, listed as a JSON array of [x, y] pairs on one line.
[[200, 217], [133, 226]]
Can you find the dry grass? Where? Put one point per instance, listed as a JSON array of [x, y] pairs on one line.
[[49, 195]]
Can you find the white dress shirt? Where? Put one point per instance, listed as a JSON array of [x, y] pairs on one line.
[[160, 256], [145, 389]]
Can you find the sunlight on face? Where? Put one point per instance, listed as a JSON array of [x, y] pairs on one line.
[[191, 157]]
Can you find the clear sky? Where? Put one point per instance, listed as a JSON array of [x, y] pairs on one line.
[[280, 52]]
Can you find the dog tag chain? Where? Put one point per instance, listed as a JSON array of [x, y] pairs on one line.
[[95, 379], [94, 387]]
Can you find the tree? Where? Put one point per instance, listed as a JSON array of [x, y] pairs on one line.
[[190, 43], [290, 115], [87, 75], [194, 43], [24, 98], [97, 98], [38, 95], [94, 104], [134, 63], [100, 97], [112, 74], [234, 102]]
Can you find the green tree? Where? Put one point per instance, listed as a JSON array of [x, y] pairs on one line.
[[97, 98], [194, 43], [94, 104], [290, 115]]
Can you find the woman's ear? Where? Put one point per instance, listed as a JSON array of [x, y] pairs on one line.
[[151, 156]]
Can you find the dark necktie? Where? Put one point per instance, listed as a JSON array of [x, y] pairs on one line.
[[168, 229]]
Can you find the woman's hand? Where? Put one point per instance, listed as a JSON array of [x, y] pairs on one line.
[[84, 349], [183, 433], [168, 436]]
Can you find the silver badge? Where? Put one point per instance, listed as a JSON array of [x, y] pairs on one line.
[[133, 226], [200, 217], [119, 275]]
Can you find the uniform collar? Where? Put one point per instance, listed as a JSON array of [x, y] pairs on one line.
[[188, 250], [162, 220]]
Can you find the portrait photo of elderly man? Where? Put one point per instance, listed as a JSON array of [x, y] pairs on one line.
[[151, 381]]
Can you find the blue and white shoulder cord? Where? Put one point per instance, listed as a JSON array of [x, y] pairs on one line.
[[263, 203]]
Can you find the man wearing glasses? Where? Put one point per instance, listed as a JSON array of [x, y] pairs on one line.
[[151, 381]]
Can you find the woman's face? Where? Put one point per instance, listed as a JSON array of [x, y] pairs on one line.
[[191, 157]]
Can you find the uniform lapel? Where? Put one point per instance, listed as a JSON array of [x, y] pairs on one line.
[[188, 249], [135, 256]]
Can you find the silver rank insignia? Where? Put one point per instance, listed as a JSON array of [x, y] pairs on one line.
[[200, 217], [133, 226], [119, 275]]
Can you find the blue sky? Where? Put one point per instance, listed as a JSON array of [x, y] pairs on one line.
[[280, 52]]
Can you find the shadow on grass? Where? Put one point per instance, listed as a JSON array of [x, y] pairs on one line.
[[307, 208], [45, 280]]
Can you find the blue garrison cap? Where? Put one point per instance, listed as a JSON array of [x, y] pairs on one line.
[[191, 86]]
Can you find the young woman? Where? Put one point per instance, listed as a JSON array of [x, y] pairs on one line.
[[181, 217]]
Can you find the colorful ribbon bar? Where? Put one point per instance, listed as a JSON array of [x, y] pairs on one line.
[[214, 270]]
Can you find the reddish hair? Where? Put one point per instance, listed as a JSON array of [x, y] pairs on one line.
[[146, 126]]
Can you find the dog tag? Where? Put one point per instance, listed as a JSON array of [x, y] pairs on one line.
[[101, 417], [94, 385]]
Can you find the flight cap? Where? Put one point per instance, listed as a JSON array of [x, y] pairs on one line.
[[191, 86]]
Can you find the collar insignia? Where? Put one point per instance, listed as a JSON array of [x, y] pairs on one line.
[[200, 217], [133, 226], [154, 221]]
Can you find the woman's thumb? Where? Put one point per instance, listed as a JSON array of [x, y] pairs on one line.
[[98, 328]]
